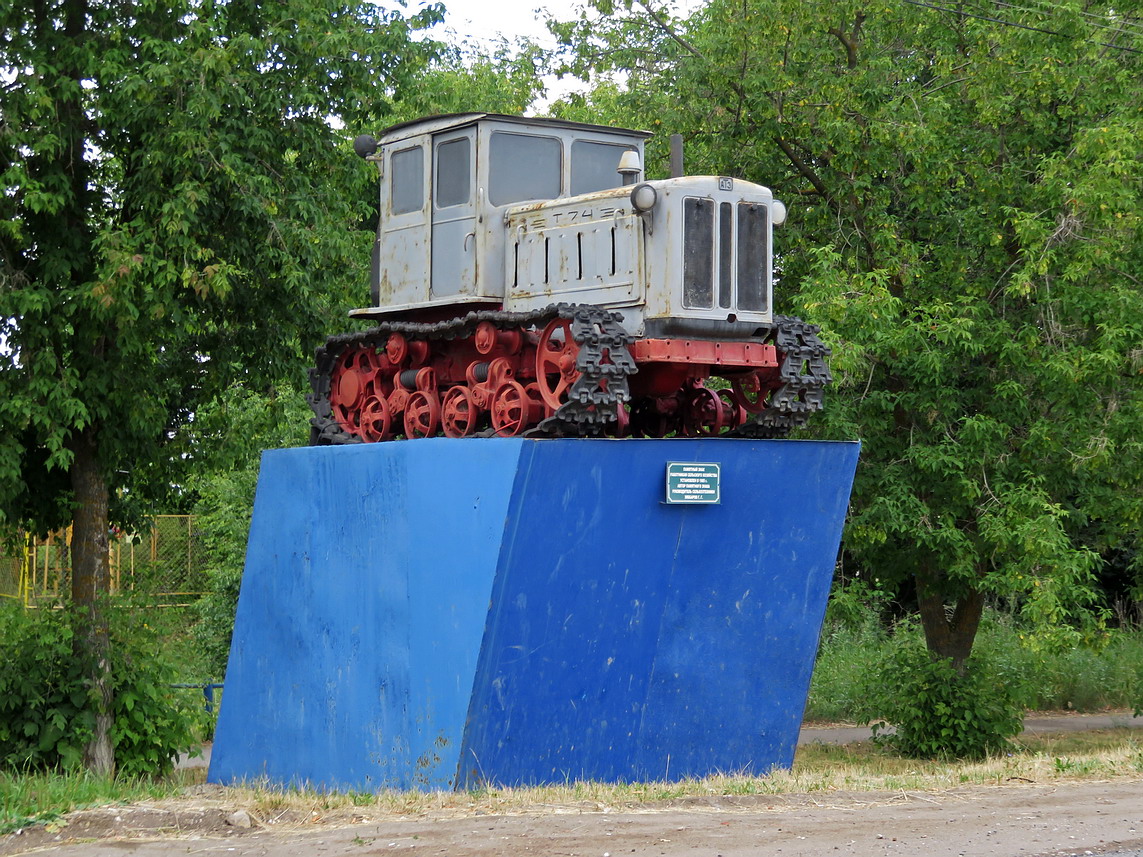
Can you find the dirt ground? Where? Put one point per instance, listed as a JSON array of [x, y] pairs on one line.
[[1014, 818], [1025, 820]]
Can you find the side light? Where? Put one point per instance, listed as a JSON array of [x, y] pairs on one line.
[[777, 213], [364, 146]]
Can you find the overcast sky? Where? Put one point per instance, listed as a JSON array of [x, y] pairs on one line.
[[486, 20]]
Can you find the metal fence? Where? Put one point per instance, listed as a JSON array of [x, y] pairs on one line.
[[165, 562]]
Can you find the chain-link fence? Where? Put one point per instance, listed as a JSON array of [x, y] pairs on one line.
[[165, 562]]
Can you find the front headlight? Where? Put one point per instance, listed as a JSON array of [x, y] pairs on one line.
[[643, 197]]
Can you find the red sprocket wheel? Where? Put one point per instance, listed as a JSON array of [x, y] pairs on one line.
[[422, 414], [750, 392], [556, 354], [355, 379], [703, 413], [459, 413]]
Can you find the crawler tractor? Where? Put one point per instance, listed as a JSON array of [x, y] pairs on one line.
[[527, 279]]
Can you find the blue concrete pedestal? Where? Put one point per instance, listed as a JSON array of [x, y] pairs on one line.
[[444, 613]]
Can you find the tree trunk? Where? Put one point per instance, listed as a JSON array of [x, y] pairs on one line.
[[90, 584], [947, 636]]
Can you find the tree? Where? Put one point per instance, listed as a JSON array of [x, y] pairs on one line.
[[965, 222], [175, 218]]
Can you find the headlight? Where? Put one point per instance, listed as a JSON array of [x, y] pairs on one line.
[[643, 198]]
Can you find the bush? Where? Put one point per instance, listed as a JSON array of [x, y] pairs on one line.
[[47, 707], [939, 713]]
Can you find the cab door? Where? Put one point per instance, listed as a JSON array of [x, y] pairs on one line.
[[403, 236], [454, 235]]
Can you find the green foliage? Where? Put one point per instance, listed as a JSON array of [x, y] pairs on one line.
[[226, 441], [849, 682], [176, 219], [44, 705], [47, 706], [1077, 678], [210, 201], [28, 798], [460, 81], [940, 712], [838, 690], [965, 223]]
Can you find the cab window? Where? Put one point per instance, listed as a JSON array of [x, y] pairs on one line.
[[452, 186], [594, 166], [407, 180], [523, 167]]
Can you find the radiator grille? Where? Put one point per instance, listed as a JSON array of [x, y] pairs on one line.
[[735, 267], [698, 253]]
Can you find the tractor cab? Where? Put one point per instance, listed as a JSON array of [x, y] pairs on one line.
[[446, 184]]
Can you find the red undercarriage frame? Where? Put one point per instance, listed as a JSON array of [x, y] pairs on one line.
[[512, 379]]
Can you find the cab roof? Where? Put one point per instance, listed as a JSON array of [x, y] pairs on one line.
[[448, 121]]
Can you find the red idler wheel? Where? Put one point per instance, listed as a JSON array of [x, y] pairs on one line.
[[702, 413], [556, 354], [375, 420], [422, 414], [750, 393], [356, 376], [512, 409], [459, 413]]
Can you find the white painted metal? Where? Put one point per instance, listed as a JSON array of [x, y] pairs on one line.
[[497, 247]]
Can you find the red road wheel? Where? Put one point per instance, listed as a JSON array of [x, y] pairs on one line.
[[733, 413], [703, 414], [459, 413], [556, 354], [750, 393], [422, 415], [375, 420], [511, 409], [355, 378]]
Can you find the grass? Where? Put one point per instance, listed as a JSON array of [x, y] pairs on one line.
[[819, 770], [43, 798], [1079, 679]]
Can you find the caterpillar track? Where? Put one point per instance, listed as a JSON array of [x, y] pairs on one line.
[[563, 371]]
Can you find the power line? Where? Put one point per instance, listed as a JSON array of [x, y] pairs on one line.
[[1105, 25], [1005, 23], [1124, 26]]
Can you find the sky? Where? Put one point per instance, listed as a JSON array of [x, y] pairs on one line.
[[486, 20]]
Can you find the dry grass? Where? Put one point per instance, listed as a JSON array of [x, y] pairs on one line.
[[819, 770]]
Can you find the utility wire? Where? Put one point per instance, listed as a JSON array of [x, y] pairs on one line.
[[965, 14], [1126, 25]]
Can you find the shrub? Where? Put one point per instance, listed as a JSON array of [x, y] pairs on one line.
[[47, 707], [939, 713]]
